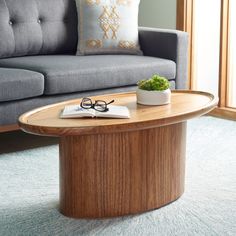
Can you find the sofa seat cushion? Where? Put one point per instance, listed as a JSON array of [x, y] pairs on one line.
[[18, 84], [67, 73]]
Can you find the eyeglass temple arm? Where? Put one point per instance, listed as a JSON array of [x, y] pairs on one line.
[[110, 102]]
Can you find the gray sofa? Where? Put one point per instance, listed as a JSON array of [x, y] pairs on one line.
[[38, 65]]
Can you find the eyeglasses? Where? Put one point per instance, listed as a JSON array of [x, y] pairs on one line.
[[99, 105]]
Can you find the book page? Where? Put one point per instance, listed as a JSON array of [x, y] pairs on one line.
[[120, 112], [75, 111]]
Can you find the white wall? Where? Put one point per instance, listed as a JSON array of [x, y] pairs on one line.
[[158, 13]]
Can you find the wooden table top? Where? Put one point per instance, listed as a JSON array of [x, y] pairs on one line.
[[184, 105]]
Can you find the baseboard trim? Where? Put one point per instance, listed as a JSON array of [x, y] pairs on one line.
[[8, 128], [224, 113]]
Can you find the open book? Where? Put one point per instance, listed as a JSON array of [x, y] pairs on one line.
[[75, 111]]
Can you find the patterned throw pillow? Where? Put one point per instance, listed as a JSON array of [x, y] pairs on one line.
[[108, 27]]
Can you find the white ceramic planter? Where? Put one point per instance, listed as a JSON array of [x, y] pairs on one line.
[[153, 97]]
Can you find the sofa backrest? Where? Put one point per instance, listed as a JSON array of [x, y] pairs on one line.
[[31, 27]]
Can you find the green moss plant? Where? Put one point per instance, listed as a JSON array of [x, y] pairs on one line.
[[155, 83]]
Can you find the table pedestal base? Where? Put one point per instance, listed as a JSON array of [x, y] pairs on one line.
[[108, 175]]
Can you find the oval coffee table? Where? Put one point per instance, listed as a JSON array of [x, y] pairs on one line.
[[114, 167]]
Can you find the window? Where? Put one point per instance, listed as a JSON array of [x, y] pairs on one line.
[[206, 47], [231, 99], [211, 25]]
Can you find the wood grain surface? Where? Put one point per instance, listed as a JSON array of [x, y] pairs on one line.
[[107, 175], [7, 128], [184, 105], [113, 167]]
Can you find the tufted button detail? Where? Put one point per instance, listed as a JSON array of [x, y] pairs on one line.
[[10, 22], [39, 21]]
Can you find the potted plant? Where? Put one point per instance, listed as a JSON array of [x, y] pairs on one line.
[[154, 91]]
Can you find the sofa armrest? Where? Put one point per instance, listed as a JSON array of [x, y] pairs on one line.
[[167, 44]]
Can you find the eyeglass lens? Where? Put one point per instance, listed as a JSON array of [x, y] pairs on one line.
[[87, 103], [100, 106]]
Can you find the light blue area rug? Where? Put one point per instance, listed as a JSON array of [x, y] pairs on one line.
[[29, 192]]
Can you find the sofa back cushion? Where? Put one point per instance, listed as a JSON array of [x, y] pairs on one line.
[[30, 27]]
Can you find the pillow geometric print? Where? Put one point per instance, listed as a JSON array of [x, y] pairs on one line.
[[108, 27]]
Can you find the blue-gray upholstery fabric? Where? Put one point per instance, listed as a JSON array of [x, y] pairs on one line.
[[168, 44], [30, 27], [19, 84], [67, 73], [10, 111]]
